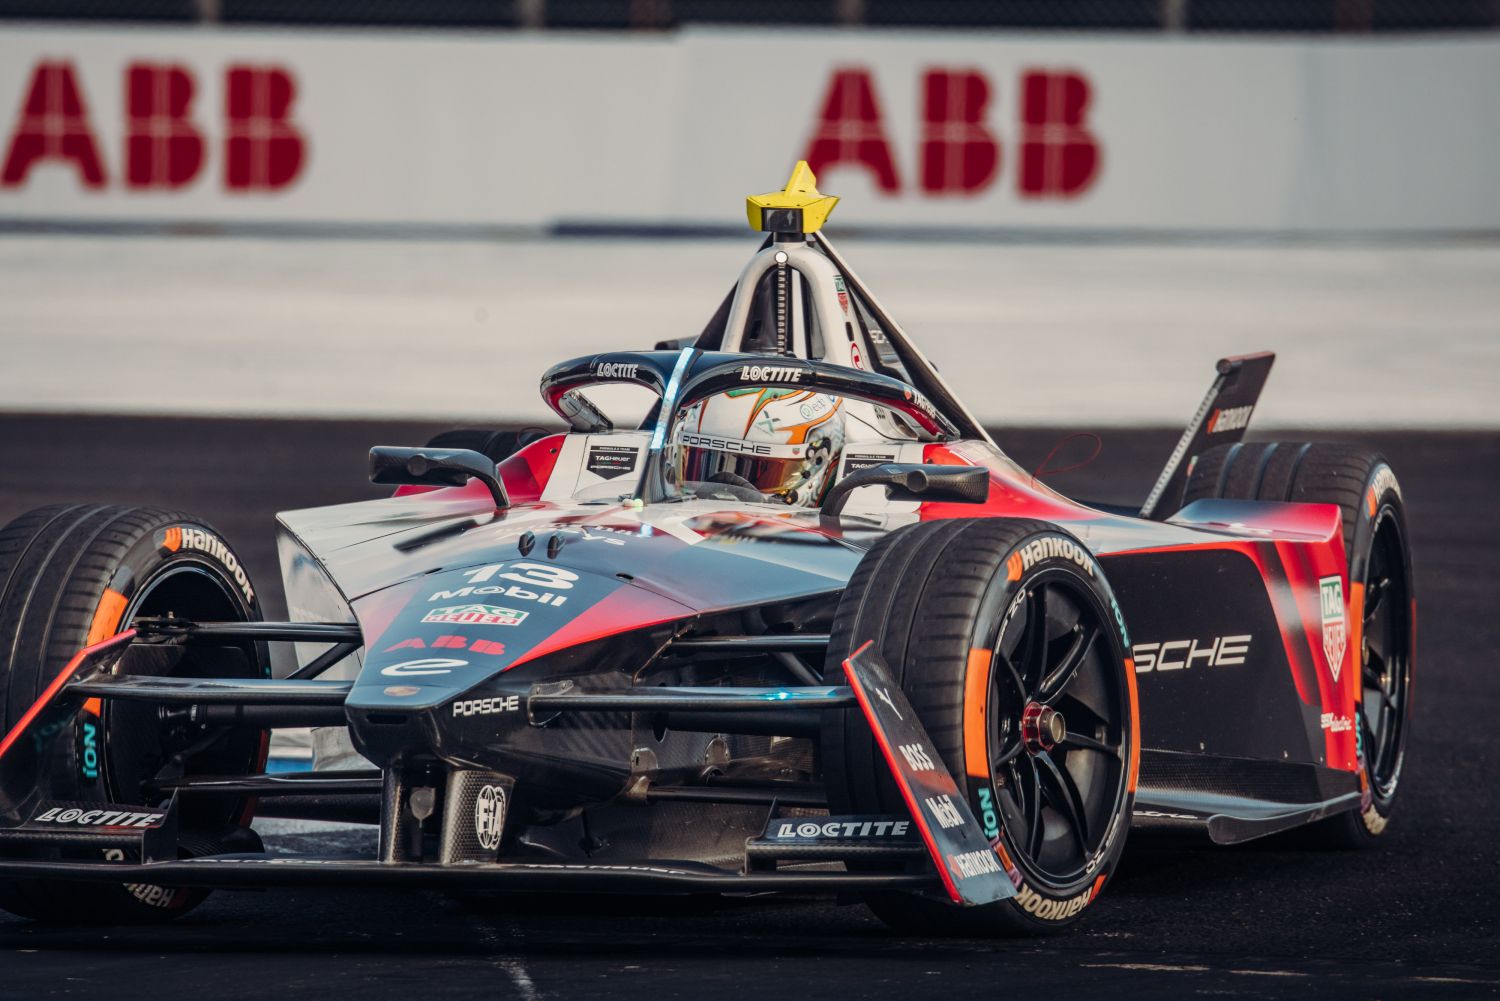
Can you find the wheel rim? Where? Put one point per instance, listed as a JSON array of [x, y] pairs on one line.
[[1058, 722], [139, 744], [1385, 658]]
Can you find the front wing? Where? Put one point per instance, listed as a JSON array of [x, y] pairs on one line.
[[938, 860]]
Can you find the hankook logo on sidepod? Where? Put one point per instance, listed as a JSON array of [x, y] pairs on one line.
[[429, 665], [489, 816]]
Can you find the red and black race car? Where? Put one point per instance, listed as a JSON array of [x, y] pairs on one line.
[[803, 627]]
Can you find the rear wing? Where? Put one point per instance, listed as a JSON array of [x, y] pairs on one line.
[[1221, 419]]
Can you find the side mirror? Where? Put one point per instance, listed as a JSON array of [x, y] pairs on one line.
[[913, 481], [435, 467]]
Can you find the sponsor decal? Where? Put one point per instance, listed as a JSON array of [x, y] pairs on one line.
[[500, 591], [430, 665], [989, 818], [920, 402], [489, 816], [610, 461], [856, 357], [734, 445], [1048, 547], [1047, 909], [808, 830], [1177, 655], [917, 757], [884, 695], [1119, 619], [401, 691], [220, 859], [943, 811], [854, 462], [1335, 724], [606, 534], [1331, 598], [770, 373], [146, 893], [1384, 480], [544, 575], [615, 370], [487, 648], [185, 537], [80, 817], [812, 408], [88, 749], [975, 863], [1159, 815], [487, 707], [1230, 419], [476, 615]]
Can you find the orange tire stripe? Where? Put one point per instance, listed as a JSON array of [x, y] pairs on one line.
[[1135, 724], [976, 704], [106, 617]]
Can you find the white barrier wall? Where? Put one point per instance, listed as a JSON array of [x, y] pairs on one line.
[[929, 130]]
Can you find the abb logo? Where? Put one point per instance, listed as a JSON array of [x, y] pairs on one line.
[[959, 154], [164, 148]]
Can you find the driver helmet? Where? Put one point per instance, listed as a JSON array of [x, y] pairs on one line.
[[784, 443]]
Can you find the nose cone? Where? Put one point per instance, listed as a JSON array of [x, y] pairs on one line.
[[457, 629]]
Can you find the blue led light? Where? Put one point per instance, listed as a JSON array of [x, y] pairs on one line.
[[669, 401]]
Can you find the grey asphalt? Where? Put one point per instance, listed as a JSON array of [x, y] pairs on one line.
[[1412, 918]]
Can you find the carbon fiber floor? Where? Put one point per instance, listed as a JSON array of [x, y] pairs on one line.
[[1413, 918]]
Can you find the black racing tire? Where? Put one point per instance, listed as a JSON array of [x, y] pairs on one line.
[[976, 619], [71, 576], [1381, 602]]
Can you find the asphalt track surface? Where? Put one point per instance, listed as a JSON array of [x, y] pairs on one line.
[[1412, 918]]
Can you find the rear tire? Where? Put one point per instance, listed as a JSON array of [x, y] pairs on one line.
[[1381, 602], [71, 576], [983, 622]]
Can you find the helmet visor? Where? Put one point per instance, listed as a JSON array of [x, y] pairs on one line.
[[704, 461]]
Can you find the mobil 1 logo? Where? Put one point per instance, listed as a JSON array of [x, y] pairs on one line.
[[543, 583]]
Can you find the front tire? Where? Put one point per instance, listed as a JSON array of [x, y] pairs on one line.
[[1008, 642], [74, 575]]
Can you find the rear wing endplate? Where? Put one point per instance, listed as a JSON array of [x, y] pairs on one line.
[[1221, 419]]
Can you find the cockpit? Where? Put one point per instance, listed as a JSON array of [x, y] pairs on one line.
[[798, 380]]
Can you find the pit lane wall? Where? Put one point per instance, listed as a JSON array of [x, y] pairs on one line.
[[919, 131]]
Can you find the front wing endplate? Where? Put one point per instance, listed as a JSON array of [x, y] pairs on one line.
[[969, 868]]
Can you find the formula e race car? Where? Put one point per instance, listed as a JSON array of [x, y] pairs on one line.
[[802, 628]]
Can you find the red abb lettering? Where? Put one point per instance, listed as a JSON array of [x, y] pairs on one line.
[[263, 151], [54, 125], [163, 149], [489, 647], [959, 155], [1059, 157], [850, 130]]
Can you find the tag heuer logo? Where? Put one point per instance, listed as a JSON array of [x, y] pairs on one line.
[[1331, 596], [476, 615]]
